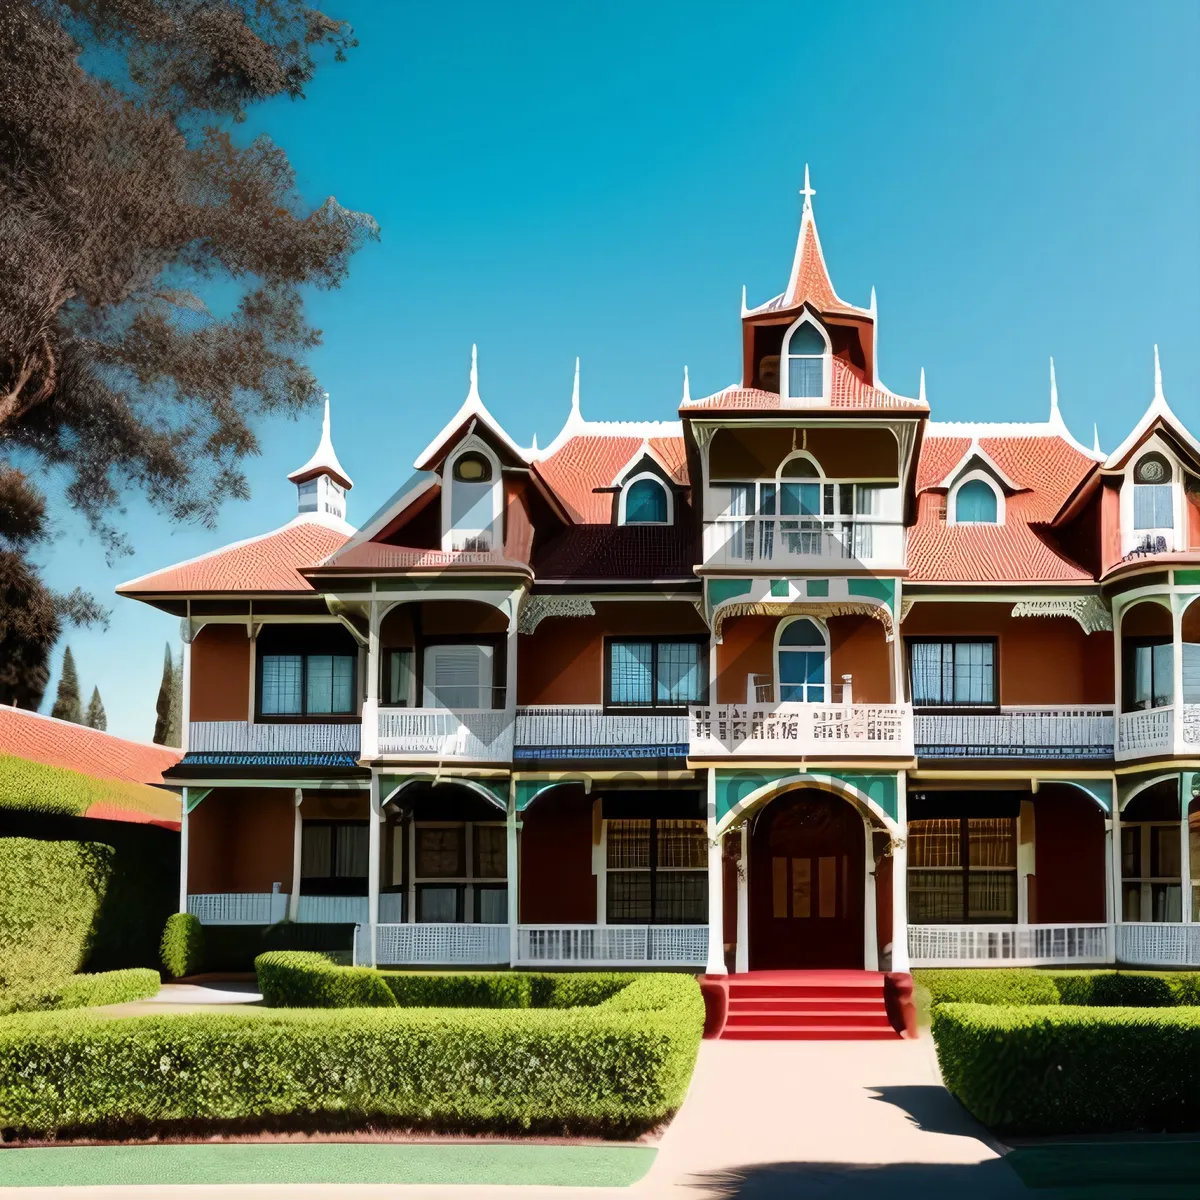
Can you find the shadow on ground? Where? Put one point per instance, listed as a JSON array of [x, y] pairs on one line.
[[991, 1180]]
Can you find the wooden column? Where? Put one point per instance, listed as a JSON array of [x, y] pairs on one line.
[[373, 841], [293, 906], [716, 886]]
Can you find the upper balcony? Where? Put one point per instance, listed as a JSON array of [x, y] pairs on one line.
[[815, 543]]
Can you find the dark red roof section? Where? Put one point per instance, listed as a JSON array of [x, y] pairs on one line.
[[619, 553], [846, 391]]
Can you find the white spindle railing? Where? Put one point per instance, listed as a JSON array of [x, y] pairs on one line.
[[1071, 731], [238, 908], [803, 541], [1147, 731], [613, 945], [482, 735], [1010, 945], [793, 729], [1158, 944], [433, 945], [240, 737], [586, 726]]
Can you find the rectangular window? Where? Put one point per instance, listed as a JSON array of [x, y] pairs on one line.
[[657, 872], [452, 862], [460, 676], [1148, 678], [334, 858], [398, 680], [1151, 883], [1152, 506], [304, 684], [962, 869], [647, 673], [953, 674]]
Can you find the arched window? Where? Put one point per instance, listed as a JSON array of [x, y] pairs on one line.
[[472, 499], [802, 667], [472, 468], [1153, 496], [975, 504], [645, 502], [806, 350]]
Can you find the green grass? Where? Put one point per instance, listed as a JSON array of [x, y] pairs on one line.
[[327, 1162], [1090, 1170]]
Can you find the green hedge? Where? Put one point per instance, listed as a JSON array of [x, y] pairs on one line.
[[182, 948], [615, 1069], [986, 985], [49, 903], [300, 980], [1059, 1070], [1026, 985], [82, 991]]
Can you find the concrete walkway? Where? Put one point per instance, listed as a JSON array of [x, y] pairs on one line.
[[188, 997]]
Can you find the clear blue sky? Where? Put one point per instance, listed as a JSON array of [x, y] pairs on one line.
[[552, 180]]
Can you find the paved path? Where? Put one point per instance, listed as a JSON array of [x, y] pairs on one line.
[[188, 997]]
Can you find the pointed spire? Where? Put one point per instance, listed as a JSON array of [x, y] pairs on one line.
[[1055, 415], [1096, 451], [809, 280], [473, 390], [807, 191], [687, 390], [921, 389], [534, 447], [872, 308], [576, 413], [745, 310], [324, 461], [1158, 387]]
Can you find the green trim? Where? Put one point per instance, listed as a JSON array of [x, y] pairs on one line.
[[720, 590], [1186, 578], [779, 587], [880, 589], [1100, 790], [194, 796], [817, 587], [328, 1163], [498, 788], [528, 790], [733, 786]]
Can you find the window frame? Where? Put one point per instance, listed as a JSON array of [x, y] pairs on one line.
[[977, 476], [498, 643], [467, 886], [785, 364], [331, 884], [298, 646], [1129, 648], [964, 870], [1145, 881], [779, 648], [652, 870], [992, 706], [654, 707], [494, 529], [623, 501]]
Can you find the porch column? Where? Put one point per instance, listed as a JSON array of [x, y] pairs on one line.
[[369, 736], [742, 959], [1180, 746], [870, 916], [373, 868], [293, 906], [183, 854], [1026, 858], [1185, 857], [1114, 871], [716, 886], [513, 880], [900, 903]]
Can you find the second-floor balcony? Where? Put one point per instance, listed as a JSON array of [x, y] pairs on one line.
[[807, 543], [473, 726], [585, 731], [1030, 731], [269, 737]]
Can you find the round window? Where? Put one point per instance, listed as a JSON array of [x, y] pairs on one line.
[[1153, 469], [472, 468]]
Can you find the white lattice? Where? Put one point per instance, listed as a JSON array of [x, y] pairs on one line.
[[590, 725], [441, 945], [240, 737], [1144, 732], [792, 729], [1191, 724], [476, 734], [238, 908], [613, 945], [1016, 945], [1158, 944], [1012, 732]]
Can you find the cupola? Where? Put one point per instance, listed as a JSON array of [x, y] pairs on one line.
[[322, 484]]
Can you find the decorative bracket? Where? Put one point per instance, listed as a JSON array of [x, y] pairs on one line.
[[536, 609], [1091, 612]]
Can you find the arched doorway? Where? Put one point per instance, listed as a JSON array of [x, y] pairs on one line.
[[807, 876]]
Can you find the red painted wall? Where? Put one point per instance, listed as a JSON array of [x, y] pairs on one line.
[[240, 840], [556, 880], [1069, 855], [220, 674]]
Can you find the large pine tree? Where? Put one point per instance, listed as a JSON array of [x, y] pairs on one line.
[[96, 718], [67, 705], [163, 706]]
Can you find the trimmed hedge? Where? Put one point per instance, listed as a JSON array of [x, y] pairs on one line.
[[1022, 986], [82, 991], [615, 1069], [49, 904], [1058, 1070], [299, 980], [182, 948]]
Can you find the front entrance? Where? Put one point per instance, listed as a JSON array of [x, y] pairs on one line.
[[807, 874]]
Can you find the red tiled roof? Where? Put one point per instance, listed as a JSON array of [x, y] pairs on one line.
[[1046, 469], [268, 563], [619, 552], [384, 556], [592, 460], [847, 391], [56, 743]]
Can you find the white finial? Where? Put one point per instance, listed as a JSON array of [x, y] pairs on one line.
[[534, 447], [745, 310], [473, 391], [872, 309], [575, 411], [1158, 387], [687, 390], [807, 191], [1096, 451], [1055, 415], [921, 389], [325, 422]]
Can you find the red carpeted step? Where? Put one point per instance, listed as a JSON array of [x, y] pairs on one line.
[[813, 1033], [807, 1005], [820, 1017], [803, 1004]]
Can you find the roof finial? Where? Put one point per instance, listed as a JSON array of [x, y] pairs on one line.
[[473, 391], [872, 310], [534, 447], [1055, 415], [807, 191], [687, 390], [1096, 451], [921, 389], [575, 411], [324, 460], [1158, 387], [745, 310]]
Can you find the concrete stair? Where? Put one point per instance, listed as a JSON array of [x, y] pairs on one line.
[[807, 1006]]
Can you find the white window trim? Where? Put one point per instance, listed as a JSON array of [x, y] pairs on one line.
[[803, 456], [1131, 538], [654, 478], [823, 630], [472, 445], [603, 870], [785, 397], [981, 476]]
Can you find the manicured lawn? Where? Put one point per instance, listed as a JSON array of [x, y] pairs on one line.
[[326, 1162], [1088, 1170]]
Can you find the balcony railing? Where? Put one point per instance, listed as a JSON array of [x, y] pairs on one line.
[[554, 732], [1147, 731], [1010, 945], [810, 542], [469, 734], [612, 945], [238, 908], [1062, 731], [1158, 944], [242, 737], [793, 729], [433, 944]]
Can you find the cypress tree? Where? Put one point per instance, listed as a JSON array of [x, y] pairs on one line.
[[162, 723], [67, 705], [175, 720], [96, 718]]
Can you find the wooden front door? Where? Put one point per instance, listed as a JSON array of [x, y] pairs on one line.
[[807, 873]]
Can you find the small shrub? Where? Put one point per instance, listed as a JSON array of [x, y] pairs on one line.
[[296, 979], [987, 985], [82, 991], [1061, 1069], [183, 945]]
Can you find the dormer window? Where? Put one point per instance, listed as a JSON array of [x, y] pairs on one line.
[[645, 501], [1153, 495], [975, 504], [472, 498], [806, 362], [472, 468]]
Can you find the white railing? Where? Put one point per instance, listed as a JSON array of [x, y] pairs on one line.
[[803, 541], [482, 735], [570, 732], [429, 944], [613, 945], [240, 737], [1158, 944], [1148, 731], [1012, 945], [794, 729], [1069, 731], [238, 908], [1191, 724], [346, 910]]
